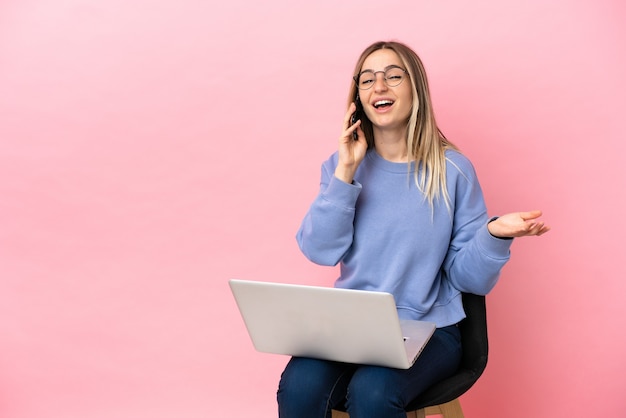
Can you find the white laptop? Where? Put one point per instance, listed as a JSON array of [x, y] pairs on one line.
[[351, 326]]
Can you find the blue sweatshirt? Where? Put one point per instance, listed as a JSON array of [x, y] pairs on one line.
[[386, 237]]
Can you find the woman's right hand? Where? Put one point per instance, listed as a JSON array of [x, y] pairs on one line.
[[351, 151]]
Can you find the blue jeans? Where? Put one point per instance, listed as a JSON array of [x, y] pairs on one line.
[[310, 388]]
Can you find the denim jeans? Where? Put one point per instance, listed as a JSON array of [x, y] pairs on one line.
[[310, 388]]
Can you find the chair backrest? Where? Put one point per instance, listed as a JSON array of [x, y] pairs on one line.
[[475, 350], [474, 333]]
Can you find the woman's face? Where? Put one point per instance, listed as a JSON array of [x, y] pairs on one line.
[[388, 108]]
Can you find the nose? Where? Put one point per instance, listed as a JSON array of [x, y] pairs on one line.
[[380, 84]]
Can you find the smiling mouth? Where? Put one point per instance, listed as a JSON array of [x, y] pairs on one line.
[[381, 104]]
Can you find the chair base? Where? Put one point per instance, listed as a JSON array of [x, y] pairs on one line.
[[450, 409]]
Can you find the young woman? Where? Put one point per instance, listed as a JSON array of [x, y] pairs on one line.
[[401, 210]]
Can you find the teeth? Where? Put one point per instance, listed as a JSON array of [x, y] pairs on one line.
[[382, 102]]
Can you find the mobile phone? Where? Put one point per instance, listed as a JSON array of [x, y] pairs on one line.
[[356, 116]]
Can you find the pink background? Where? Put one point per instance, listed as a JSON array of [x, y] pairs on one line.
[[151, 150]]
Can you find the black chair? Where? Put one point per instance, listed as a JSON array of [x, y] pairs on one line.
[[443, 397]]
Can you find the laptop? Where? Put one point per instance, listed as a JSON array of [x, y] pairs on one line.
[[351, 326]]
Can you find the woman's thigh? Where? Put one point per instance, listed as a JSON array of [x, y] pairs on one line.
[[385, 392]]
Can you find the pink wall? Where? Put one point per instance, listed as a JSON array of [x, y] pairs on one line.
[[151, 150]]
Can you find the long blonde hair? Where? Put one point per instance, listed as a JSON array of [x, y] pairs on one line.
[[426, 143]]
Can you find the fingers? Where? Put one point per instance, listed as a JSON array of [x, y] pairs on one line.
[[533, 227], [533, 214], [537, 229], [352, 133], [542, 228], [351, 130], [348, 116]]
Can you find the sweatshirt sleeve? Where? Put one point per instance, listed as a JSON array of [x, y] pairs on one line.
[[327, 229], [475, 257]]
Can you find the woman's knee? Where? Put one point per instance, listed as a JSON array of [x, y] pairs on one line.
[[373, 389], [310, 385]]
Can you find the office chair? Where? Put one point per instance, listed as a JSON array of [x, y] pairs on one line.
[[442, 397]]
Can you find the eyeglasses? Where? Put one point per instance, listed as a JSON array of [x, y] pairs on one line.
[[393, 76]]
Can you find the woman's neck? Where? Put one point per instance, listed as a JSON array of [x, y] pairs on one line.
[[392, 146]]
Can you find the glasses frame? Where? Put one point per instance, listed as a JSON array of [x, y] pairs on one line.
[[356, 77]]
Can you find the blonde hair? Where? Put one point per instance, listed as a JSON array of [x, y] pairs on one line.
[[426, 143]]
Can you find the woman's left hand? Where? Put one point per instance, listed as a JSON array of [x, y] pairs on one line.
[[518, 224]]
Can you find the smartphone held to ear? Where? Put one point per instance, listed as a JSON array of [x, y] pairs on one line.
[[355, 117]]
